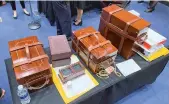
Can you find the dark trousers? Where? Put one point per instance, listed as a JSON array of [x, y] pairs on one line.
[[0, 2], [62, 15], [0, 92], [13, 5], [152, 4]]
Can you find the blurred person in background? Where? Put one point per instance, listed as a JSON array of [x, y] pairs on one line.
[[13, 5], [151, 6], [80, 5], [2, 93], [2, 2], [62, 14]]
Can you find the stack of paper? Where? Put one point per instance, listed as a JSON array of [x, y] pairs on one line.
[[134, 12], [128, 67], [154, 39], [161, 52], [152, 48]]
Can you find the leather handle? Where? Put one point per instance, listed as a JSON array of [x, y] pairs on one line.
[[99, 45], [30, 60], [88, 35], [38, 87], [84, 36], [129, 23], [15, 48]]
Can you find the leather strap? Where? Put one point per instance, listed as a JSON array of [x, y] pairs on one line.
[[129, 23], [30, 60], [117, 30], [112, 12], [98, 45], [26, 45], [109, 17], [123, 33], [94, 47], [121, 44], [84, 36], [120, 32], [27, 52]]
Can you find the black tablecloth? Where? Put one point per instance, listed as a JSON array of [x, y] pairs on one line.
[[107, 92]]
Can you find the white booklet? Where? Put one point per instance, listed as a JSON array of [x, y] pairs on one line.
[[134, 12], [154, 38], [128, 67]]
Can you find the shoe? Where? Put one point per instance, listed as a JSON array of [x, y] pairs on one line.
[[149, 10], [69, 38], [15, 17], [74, 20], [79, 24], [141, 1], [28, 14], [3, 93]]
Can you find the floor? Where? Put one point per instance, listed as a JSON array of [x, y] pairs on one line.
[[10, 29]]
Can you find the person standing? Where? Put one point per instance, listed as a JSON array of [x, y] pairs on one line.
[[2, 93], [80, 5], [13, 5], [2, 2], [151, 6], [62, 15]]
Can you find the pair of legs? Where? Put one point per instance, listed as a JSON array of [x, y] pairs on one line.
[[13, 5], [62, 15], [151, 7], [2, 93], [78, 20], [80, 5]]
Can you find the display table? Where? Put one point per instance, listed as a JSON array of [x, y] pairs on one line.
[[108, 91]]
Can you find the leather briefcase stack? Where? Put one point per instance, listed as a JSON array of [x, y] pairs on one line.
[[60, 50], [123, 29], [30, 63], [95, 51]]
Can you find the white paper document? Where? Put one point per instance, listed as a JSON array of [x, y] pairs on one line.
[[154, 38], [128, 67], [134, 12], [78, 85]]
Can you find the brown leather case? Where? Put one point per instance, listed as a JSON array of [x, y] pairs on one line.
[[59, 47], [93, 48], [122, 28], [30, 63]]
